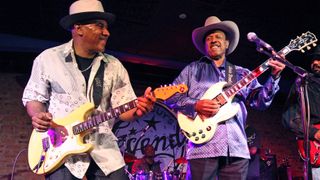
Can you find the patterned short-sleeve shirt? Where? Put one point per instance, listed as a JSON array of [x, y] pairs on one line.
[[57, 82]]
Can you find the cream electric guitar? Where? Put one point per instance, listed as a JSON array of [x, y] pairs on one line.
[[202, 130], [48, 150]]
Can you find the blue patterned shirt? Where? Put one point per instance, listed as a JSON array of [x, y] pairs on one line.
[[200, 76]]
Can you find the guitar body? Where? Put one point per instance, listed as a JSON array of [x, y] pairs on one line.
[[48, 150], [202, 130], [314, 150]]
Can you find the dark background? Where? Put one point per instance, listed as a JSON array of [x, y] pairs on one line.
[[153, 40], [153, 37]]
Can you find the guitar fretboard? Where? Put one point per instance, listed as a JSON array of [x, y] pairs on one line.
[[234, 89], [100, 118]]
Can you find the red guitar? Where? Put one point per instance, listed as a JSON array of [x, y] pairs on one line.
[[314, 150]]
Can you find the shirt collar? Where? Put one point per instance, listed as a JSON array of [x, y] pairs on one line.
[[208, 59]]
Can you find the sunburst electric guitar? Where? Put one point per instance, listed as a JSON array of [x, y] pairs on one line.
[[202, 130], [48, 150]]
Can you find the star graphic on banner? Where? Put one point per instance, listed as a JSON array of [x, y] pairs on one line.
[[122, 138], [132, 131], [152, 122]]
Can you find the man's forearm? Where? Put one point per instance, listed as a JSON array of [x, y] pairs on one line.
[[35, 107]]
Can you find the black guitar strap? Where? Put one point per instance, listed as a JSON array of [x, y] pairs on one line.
[[231, 75], [98, 85]]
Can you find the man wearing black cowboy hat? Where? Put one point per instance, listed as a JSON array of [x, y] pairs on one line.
[[67, 76], [226, 154], [292, 112]]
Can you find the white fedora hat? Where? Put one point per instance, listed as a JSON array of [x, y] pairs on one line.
[[85, 10], [212, 23]]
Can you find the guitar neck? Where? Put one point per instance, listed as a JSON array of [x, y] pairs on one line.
[[234, 89], [159, 93], [100, 118]]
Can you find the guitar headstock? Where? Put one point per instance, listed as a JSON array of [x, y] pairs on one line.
[[304, 41], [166, 92]]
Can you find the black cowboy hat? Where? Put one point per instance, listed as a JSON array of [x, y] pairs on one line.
[[315, 53]]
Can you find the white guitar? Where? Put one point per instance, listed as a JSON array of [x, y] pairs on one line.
[[48, 150], [202, 130]]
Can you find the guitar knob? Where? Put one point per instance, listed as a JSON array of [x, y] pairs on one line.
[[208, 128], [187, 134], [196, 139], [203, 136], [200, 131], [194, 134]]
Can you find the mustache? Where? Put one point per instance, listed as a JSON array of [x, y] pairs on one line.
[[103, 37], [215, 43], [315, 66]]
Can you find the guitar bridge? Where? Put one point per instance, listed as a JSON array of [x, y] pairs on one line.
[[37, 166], [45, 147]]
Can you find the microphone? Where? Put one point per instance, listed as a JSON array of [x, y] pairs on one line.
[[259, 42], [144, 130]]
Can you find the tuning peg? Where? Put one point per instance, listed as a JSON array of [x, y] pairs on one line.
[[314, 44], [308, 47], [302, 51]]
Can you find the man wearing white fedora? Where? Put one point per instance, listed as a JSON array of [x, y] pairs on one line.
[[225, 155], [67, 76]]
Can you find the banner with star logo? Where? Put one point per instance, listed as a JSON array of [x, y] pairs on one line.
[[158, 128]]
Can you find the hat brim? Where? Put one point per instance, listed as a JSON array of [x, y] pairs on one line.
[[229, 27], [68, 21], [315, 57]]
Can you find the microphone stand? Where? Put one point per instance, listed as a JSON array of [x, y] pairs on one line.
[[174, 156], [304, 102]]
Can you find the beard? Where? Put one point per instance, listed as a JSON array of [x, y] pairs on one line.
[[315, 68]]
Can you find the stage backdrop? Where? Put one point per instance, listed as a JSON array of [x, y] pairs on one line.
[[159, 128]]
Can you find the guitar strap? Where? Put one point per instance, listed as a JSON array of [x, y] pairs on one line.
[[98, 85], [231, 75]]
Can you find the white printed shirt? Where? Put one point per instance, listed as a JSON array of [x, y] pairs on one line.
[[57, 82]]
